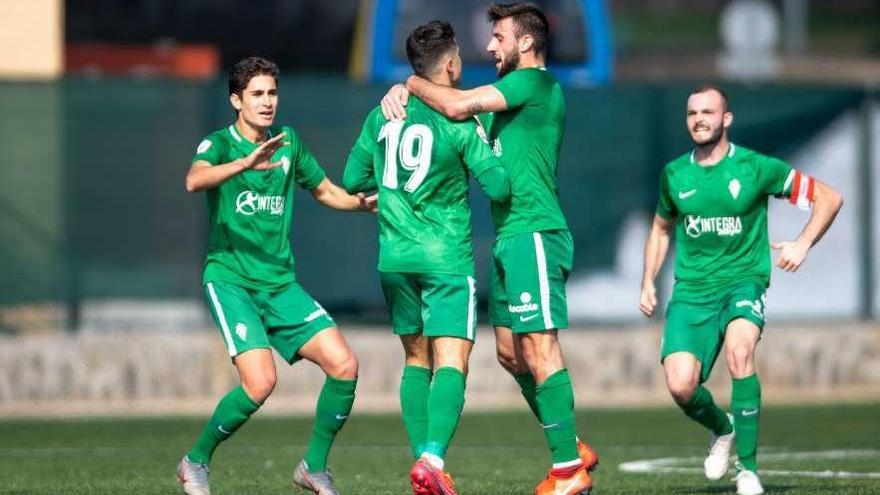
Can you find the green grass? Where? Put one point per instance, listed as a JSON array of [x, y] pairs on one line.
[[493, 453]]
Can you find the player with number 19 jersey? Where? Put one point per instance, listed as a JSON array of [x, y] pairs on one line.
[[426, 260], [422, 165]]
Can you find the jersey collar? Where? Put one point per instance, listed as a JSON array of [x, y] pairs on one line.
[[241, 140], [730, 152]]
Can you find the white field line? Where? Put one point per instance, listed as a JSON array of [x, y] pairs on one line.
[[665, 465]]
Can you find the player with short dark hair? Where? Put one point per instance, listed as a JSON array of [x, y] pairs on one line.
[[524, 114], [715, 198], [248, 171], [420, 166]]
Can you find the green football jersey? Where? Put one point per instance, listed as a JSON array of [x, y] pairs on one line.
[[527, 137], [250, 213], [720, 216], [421, 166]]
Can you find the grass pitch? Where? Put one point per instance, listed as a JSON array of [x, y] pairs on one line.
[[492, 453]]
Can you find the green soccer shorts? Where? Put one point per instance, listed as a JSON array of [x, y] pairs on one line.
[[434, 304], [248, 319], [699, 327], [527, 281]]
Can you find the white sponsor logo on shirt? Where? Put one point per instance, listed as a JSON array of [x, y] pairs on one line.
[[249, 202], [695, 226]]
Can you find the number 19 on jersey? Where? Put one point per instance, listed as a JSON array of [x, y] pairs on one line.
[[412, 150]]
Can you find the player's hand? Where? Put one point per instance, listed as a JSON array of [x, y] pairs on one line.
[[648, 300], [394, 102], [791, 254], [369, 203], [259, 158]]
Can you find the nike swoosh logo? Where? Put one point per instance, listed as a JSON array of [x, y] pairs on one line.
[[686, 194], [547, 427], [527, 318], [340, 417], [751, 412], [224, 431]]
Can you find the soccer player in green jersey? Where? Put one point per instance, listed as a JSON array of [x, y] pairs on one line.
[[715, 199], [421, 166], [524, 113], [248, 171]]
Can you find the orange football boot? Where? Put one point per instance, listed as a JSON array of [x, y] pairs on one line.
[[579, 483], [428, 480], [588, 456]]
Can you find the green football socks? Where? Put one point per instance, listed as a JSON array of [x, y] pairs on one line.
[[445, 403], [746, 405], [703, 410], [555, 399], [334, 405], [232, 411], [415, 385], [528, 388]]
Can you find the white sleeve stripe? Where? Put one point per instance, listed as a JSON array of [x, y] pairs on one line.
[[788, 181]]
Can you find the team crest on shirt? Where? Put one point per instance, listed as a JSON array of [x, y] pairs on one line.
[[241, 331], [203, 146], [285, 164], [734, 187]]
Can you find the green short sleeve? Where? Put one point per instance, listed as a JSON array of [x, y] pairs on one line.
[[211, 149], [307, 173], [518, 87]]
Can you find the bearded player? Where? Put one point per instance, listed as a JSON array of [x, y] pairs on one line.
[[524, 113], [715, 199]]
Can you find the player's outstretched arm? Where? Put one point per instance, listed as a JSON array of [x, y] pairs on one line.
[[826, 203], [332, 196], [203, 175], [655, 252]]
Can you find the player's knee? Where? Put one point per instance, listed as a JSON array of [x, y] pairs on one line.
[[681, 389], [344, 368], [739, 360], [259, 388]]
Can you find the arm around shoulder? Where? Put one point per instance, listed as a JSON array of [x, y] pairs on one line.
[[457, 104]]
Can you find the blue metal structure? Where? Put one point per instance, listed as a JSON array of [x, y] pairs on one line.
[[383, 66]]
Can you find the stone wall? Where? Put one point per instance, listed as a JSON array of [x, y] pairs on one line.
[[156, 373]]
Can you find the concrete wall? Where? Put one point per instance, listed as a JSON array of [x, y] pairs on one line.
[[152, 373]]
